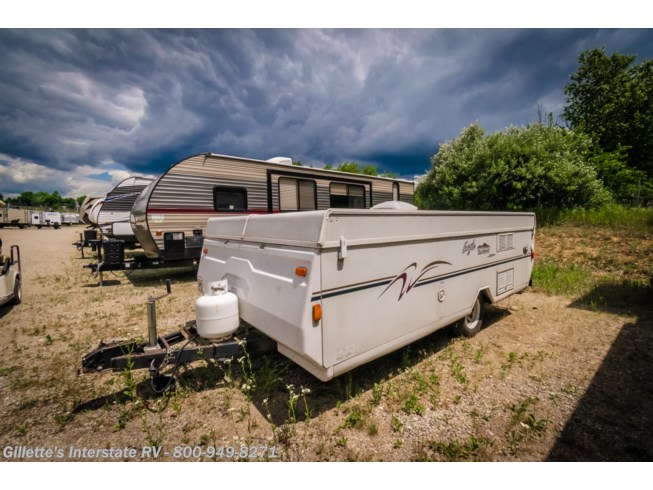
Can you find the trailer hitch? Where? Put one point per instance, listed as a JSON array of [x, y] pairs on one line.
[[176, 348], [184, 346]]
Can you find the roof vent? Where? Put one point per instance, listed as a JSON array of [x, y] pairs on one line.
[[396, 205], [282, 160]]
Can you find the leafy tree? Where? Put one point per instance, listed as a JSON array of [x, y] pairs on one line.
[[43, 199], [355, 168], [611, 99], [328, 166], [349, 167], [628, 185], [80, 200], [297, 163], [513, 169]]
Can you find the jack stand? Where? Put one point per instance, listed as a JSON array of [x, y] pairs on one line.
[[153, 337]]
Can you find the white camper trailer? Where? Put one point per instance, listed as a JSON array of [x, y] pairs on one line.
[[70, 219], [338, 288], [46, 218]]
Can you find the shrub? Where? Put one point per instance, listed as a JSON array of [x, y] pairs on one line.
[[514, 169]]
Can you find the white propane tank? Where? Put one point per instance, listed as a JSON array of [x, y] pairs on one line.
[[216, 313]]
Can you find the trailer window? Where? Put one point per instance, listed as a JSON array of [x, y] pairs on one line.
[[395, 191], [297, 195], [347, 196], [226, 198]]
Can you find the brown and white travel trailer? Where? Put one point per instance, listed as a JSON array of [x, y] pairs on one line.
[[113, 217], [86, 207], [169, 217], [14, 216]]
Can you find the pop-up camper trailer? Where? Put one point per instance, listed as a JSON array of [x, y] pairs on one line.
[[334, 289], [338, 288]]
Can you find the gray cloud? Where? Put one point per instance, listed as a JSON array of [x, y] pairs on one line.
[[146, 98]]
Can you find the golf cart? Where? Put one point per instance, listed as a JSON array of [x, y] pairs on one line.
[[10, 277]]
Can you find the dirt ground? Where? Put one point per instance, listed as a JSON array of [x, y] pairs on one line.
[[547, 379]]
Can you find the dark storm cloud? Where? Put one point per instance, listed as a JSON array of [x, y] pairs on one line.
[[146, 98]]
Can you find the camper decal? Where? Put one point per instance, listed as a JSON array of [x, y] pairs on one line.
[[468, 247], [120, 196], [483, 249], [404, 276]]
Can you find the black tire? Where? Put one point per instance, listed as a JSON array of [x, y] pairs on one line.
[[18, 293], [472, 323]]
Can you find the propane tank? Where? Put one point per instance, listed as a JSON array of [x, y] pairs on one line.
[[216, 313]]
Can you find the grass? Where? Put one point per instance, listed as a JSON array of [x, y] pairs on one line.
[[553, 278], [612, 216], [473, 449], [413, 405], [603, 258], [524, 424]]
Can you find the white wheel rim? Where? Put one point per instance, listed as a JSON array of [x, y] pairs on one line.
[[472, 319]]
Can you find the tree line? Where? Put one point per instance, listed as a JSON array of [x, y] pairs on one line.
[[355, 168], [48, 200], [602, 154]]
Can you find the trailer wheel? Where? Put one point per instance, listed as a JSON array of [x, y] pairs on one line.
[[472, 323], [18, 293]]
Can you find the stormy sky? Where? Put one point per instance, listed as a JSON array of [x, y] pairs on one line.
[[82, 109]]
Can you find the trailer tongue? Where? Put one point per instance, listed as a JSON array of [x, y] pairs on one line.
[[173, 349]]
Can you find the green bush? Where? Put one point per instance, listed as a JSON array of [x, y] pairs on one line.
[[514, 169]]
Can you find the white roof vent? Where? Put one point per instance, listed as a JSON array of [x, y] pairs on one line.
[[283, 160], [401, 206]]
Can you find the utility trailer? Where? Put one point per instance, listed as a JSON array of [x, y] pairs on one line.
[[337, 288]]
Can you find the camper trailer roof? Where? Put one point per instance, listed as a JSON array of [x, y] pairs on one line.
[[324, 229], [285, 166]]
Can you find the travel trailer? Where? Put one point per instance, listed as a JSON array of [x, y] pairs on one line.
[[169, 216], [42, 219], [113, 215], [334, 289], [70, 219], [14, 216], [85, 208]]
